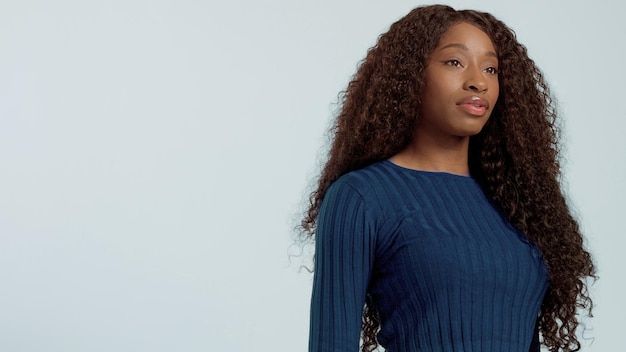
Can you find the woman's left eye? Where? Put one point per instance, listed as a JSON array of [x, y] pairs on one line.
[[492, 70]]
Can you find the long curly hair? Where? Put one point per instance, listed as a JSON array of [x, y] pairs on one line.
[[515, 158]]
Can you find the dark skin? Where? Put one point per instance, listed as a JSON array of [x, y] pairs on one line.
[[460, 94]]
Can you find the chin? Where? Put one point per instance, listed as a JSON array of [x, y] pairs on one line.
[[469, 132], [476, 132], [472, 130]]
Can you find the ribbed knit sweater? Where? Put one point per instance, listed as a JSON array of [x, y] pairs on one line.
[[441, 264]]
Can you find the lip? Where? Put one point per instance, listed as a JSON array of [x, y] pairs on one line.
[[473, 105]]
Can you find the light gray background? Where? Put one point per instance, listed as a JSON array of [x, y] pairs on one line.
[[154, 154]]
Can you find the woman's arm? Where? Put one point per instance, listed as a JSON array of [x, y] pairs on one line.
[[344, 253], [535, 346]]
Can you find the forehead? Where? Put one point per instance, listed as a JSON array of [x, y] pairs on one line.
[[467, 34]]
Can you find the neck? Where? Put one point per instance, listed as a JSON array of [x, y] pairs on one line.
[[429, 153]]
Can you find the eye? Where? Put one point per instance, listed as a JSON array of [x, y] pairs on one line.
[[453, 62], [492, 70]]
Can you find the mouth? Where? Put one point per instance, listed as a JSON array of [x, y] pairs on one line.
[[473, 105]]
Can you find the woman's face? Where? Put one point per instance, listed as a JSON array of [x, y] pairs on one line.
[[461, 83]]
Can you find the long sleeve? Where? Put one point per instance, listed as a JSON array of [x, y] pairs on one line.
[[344, 254], [535, 345], [442, 266]]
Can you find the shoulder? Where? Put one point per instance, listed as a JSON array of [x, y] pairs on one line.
[[374, 188], [353, 203], [366, 181]]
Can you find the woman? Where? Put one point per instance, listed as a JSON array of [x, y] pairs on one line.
[[439, 208]]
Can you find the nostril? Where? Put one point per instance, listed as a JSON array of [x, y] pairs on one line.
[[477, 89]]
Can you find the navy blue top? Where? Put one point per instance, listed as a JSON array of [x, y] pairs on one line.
[[443, 267]]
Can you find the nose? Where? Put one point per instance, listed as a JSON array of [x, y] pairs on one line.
[[475, 81]]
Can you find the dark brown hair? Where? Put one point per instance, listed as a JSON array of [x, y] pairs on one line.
[[515, 158]]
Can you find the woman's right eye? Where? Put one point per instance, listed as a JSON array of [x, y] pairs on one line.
[[455, 63]]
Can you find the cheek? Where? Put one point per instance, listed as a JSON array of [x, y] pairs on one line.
[[437, 90], [496, 91]]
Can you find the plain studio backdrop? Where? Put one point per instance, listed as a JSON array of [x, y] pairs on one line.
[[155, 156]]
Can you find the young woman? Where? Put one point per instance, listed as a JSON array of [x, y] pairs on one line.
[[438, 217]]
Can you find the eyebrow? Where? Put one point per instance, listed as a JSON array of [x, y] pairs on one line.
[[465, 48]]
